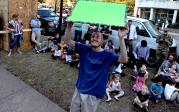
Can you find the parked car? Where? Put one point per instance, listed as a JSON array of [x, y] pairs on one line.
[[49, 21], [146, 30]]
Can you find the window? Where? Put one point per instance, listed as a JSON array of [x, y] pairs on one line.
[[140, 29]]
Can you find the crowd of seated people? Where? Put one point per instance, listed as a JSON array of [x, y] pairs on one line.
[[165, 84]]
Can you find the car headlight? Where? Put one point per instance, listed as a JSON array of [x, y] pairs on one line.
[[51, 24]]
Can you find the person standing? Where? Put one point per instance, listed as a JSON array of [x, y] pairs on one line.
[[36, 32], [106, 33], [131, 35], [78, 32], [94, 68], [164, 42], [15, 27]]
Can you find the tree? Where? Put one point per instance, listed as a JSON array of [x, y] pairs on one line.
[[41, 1], [130, 3]]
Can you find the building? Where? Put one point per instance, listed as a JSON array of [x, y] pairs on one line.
[[26, 9], [158, 10]]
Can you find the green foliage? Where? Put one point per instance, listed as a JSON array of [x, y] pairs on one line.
[[41, 1], [130, 3]]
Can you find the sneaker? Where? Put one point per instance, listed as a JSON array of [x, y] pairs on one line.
[[109, 99], [9, 54], [116, 98], [19, 52]]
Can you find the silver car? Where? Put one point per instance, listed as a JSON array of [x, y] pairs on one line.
[[145, 31]]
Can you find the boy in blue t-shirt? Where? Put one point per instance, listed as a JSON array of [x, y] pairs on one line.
[[93, 75], [156, 90]]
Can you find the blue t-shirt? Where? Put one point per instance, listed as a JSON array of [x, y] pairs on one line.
[[35, 22], [94, 70], [156, 88]]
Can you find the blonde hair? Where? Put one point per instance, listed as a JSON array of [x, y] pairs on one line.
[[146, 88]]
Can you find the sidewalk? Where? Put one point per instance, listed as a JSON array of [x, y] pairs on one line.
[[16, 96]]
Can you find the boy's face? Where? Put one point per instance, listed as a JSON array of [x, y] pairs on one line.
[[159, 83], [96, 40]]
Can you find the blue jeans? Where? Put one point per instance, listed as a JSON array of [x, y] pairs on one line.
[[15, 41], [78, 35], [154, 97]]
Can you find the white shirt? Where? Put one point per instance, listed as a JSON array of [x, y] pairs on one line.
[[133, 33], [57, 53], [168, 91]]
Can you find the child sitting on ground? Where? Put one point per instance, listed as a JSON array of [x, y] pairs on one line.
[[171, 93], [69, 55], [75, 61], [143, 68], [142, 98], [156, 90], [114, 86], [51, 46], [57, 53], [170, 71], [140, 81]]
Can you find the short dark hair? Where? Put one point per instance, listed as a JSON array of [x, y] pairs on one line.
[[15, 15], [143, 43], [110, 41], [158, 79], [129, 20]]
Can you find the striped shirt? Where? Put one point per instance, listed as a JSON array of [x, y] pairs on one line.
[[16, 25]]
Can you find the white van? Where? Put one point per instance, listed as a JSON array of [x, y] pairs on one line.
[[145, 31]]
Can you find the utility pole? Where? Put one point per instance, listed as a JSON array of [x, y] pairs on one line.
[[60, 19], [55, 6]]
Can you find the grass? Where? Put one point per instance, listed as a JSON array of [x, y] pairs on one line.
[[56, 81]]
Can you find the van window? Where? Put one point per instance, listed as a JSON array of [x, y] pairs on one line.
[[140, 29]]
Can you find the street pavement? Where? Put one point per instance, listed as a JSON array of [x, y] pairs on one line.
[[16, 96]]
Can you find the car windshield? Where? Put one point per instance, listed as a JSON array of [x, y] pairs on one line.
[[46, 13], [152, 29]]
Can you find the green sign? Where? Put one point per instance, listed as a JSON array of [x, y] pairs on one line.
[[104, 13]]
